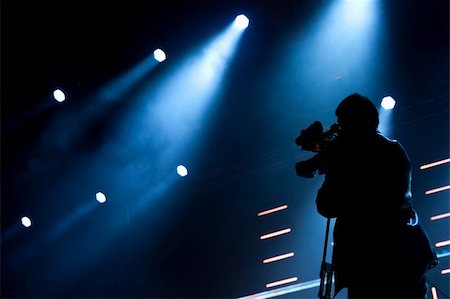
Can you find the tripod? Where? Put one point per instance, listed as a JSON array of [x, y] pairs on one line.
[[326, 270]]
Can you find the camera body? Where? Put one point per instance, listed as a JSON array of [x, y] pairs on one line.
[[314, 139]]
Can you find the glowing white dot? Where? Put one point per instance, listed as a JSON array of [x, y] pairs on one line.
[[59, 95], [159, 55], [26, 221], [241, 21], [101, 198], [388, 103], [181, 170]]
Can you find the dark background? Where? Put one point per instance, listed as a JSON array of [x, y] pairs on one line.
[[197, 236]]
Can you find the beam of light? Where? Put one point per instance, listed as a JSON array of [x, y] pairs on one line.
[[436, 190], [434, 294], [59, 95], [385, 114], [159, 55], [123, 83], [278, 257], [336, 45], [59, 228], [280, 282], [443, 243], [276, 233], [388, 103], [441, 216], [182, 170], [445, 271], [443, 253], [100, 197], [174, 108], [26, 221], [284, 290], [270, 211], [434, 164]]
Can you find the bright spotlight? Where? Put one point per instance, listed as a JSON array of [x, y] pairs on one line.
[[388, 103], [59, 95], [181, 170], [101, 198], [241, 21], [26, 221], [159, 55]]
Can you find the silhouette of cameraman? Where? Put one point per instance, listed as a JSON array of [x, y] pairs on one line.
[[380, 250]]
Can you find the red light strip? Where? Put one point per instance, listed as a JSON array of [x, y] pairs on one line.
[[440, 216], [437, 163], [435, 190], [274, 234], [280, 282], [278, 257], [434, 293], [283, 207], [443, 243]]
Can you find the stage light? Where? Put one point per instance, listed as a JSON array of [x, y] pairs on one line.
[[241, 22], [26, 221], [443, 243], [266, 212], [182, 171], [280, 282], [441, 216], [159, 55], [388, 103], [278, 257], [439, 189], [101, 198], [274, 234], [434, 293], [433, 164], [59, 95]]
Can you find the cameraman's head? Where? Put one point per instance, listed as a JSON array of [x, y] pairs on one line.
[[357, 116]]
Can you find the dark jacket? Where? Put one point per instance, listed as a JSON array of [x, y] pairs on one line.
[[367, 187]]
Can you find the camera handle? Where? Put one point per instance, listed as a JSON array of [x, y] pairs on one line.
[[326, 270]]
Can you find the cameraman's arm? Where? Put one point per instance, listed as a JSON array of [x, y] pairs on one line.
[[327, 200]]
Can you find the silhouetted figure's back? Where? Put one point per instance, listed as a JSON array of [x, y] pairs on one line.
[[380, 251]]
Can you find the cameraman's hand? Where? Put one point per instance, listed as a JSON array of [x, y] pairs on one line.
[[305, 169]]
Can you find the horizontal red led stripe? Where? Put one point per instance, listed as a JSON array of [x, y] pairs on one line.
[[443, 243], [283, 207], [440, 216], [274, 234], [433, 164], [278, 257], [435, 190], [280, 282]]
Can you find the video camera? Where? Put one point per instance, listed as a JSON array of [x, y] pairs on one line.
[[314, 139]]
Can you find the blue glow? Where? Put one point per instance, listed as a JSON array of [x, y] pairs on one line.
[[26, 221], [241, 22], [388, 103], [59, 95], [101, 198], [159, 55], [182, 171], [123, 83], [443, 253], [177, 105], [385, 117]]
